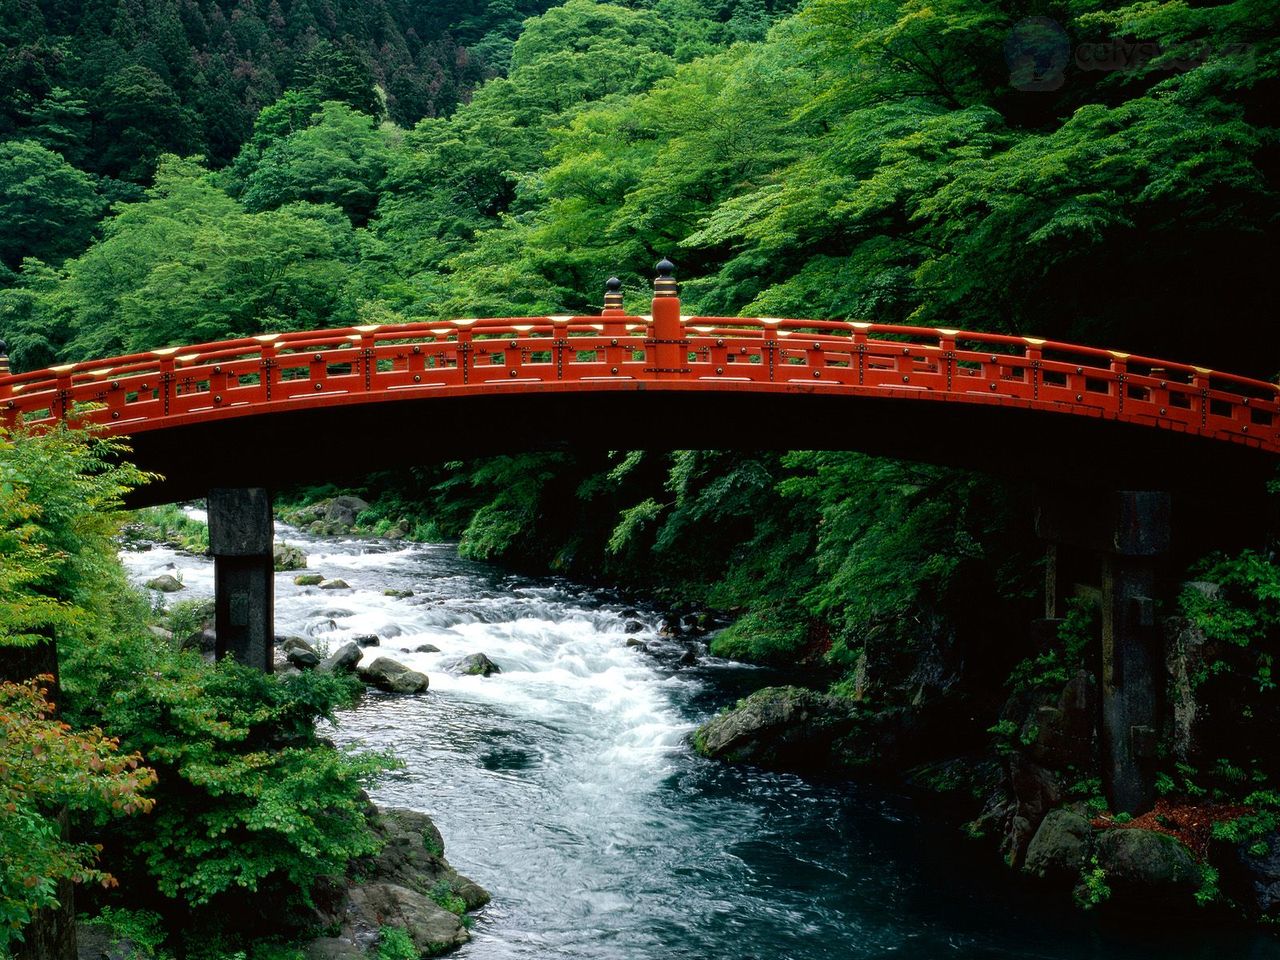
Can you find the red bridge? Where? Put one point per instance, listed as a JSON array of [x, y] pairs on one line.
[[259, 411], [233, 419]]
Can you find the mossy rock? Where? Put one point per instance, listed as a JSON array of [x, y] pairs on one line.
[[782, 728], [288, 557], [308, 580]]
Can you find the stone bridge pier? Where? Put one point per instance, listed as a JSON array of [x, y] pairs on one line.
[[241, 533], [1126, 550], [1121, 542]]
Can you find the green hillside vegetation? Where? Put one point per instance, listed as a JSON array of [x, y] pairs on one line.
[[175, 174]]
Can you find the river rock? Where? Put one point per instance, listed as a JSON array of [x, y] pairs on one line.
[[397, 594], [633, 626], [476, 665], [432, 928], [1146, 867], [287, 557], [1251, 875], [334, 948], [1064, 731], [426, 648], [345, 510], [777, 727], [392, 676], [335, 584], [412, 856], [302, 659], [343, 660], [290, 643], [367, 640], [165, 583], [308, 580], [1060, 848], [94, 941]]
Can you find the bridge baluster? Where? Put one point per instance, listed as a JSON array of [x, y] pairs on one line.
[[666, 346], [368, 358], [560, 344], [615, 327], [319, 371], [1120, 378], [946, 350], [464, 355], [1035, 357], [218, 381], [613, 313], [167, 383], [64, 403]]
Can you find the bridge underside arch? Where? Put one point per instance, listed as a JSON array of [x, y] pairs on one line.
[[281, 446]]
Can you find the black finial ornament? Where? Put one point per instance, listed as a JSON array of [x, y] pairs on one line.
[[665, 285], [613, 294]]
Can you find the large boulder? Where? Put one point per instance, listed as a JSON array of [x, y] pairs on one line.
[[334, 948], [412, 856], [342, 660], [1145, 867], [1251, 875], [783, 728], [392, 676], [287, 557], [292, 643], [1063, 732], [344, 510], [165, 583], [476, 665], [431, 927], [1060, 848], [302, 658]]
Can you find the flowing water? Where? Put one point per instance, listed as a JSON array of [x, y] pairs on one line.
[[565, 786]]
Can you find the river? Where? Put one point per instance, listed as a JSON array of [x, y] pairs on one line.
[[565, 786]]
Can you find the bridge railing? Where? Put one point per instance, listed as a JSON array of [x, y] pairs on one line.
[[175, 385]]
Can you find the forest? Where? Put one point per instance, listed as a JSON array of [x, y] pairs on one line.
[[179, 171]]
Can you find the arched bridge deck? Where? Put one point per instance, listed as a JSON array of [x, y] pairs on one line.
[[262, 410]]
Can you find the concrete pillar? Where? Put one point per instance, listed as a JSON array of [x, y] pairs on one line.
[[1130, 534], [241, 532]]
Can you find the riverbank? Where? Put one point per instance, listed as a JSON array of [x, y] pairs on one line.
[[572, 763], [968, 699]]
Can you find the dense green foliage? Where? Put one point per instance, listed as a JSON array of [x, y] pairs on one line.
[[113, 83], [248, 800], [858, 160], [1235, 679], [948, 163], [47, 767]]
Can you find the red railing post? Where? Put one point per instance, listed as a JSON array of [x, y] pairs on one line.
[[666, 347], [613, 313], [63, 405], [559, 344], [615, 327]]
